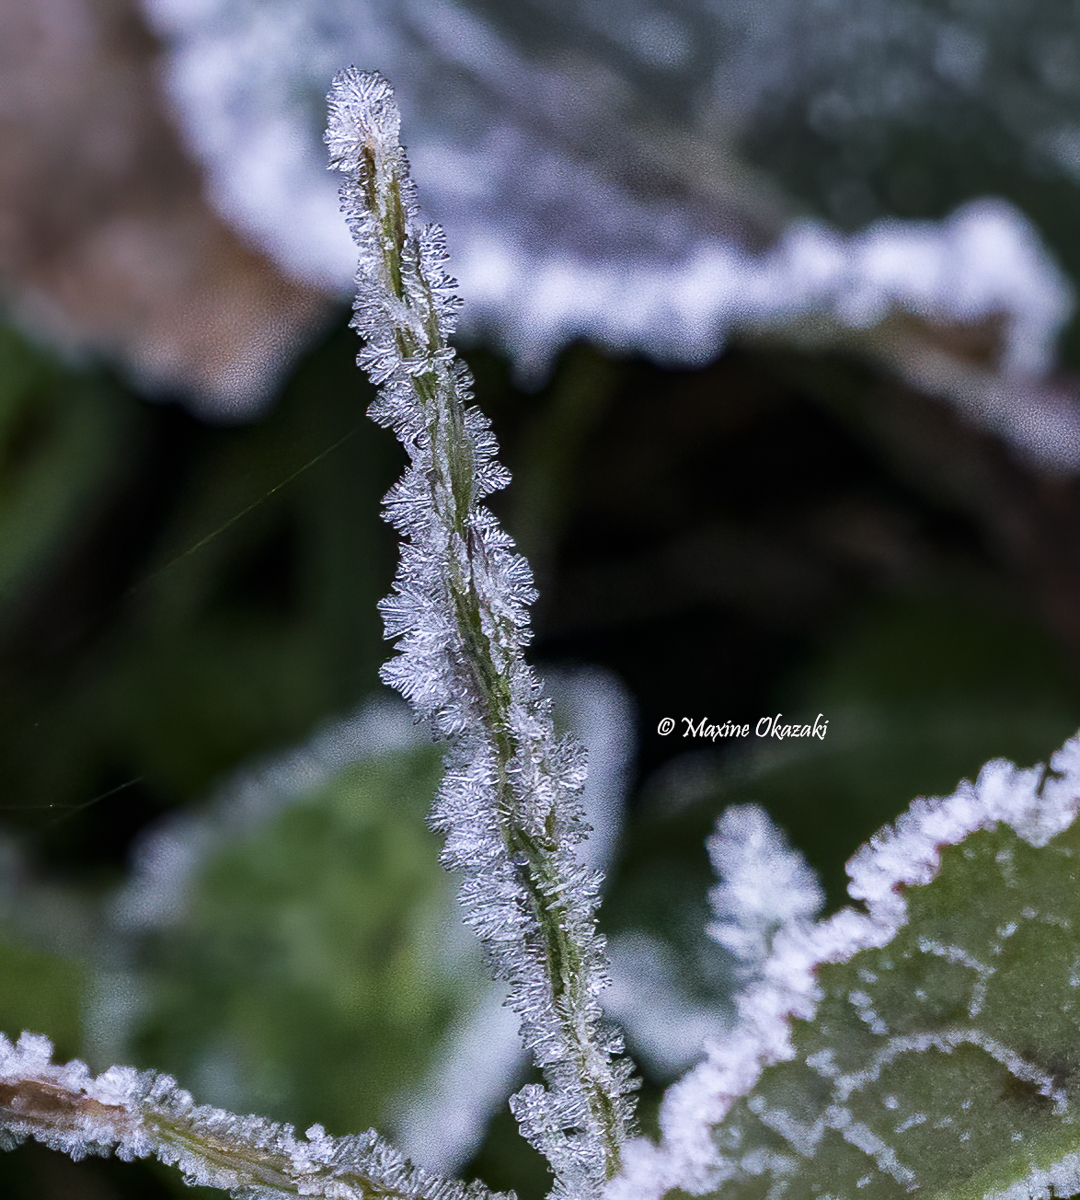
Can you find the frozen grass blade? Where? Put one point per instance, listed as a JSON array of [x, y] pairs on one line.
[[139, 1114], [459, 612]]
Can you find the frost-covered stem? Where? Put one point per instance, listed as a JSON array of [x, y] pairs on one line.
[[509, 804], [137, 1114]]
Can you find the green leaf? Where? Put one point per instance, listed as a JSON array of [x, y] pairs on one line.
[[300, 972], [930, 1043], [947, 1059]]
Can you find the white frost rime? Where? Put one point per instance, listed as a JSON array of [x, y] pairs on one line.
[[693, 1155], [509, 805], [136, 1114], [765, 885]]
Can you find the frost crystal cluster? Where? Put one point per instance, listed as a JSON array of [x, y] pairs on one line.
[[509, 804], [135, 1114], [765, 886]]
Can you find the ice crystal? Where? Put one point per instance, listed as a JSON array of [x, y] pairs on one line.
[[509, 806], [137, 1114], [764, 887]]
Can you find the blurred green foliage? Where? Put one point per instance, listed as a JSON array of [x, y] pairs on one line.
[[196, 596], [43, 992], [305, 978]]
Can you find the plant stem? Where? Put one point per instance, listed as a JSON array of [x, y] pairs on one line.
[[509, 805]]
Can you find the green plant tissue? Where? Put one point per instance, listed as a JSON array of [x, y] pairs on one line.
[[945, 1060], [306, 973]]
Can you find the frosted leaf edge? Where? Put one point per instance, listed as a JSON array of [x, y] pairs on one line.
[[1037, 803]]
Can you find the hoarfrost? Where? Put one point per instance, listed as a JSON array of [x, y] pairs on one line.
[[1037, 804], [598, 196], [765, 885], [509, 806], [140, 1114]]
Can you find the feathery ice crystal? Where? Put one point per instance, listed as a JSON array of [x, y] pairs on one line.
[[508, 806], [134, 1114], [764, 887]]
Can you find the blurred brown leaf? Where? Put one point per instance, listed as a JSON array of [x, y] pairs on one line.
[[107, 244]]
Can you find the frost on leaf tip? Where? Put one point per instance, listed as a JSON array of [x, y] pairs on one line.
[[764, 885], [362, 116]]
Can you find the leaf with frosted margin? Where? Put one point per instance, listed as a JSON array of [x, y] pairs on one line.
[[579, 157], [934, 1044]]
